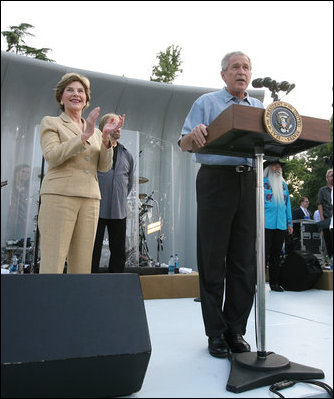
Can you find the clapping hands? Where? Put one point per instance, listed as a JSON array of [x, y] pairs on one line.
[[91, 120], [113, 125]]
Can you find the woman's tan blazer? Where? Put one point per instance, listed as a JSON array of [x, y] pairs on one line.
[[72, 166]]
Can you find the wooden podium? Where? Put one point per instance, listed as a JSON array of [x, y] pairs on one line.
[[240, 131]]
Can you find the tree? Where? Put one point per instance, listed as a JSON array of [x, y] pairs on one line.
[[15, 42], [306, 173], [15, 36], [169, 65]]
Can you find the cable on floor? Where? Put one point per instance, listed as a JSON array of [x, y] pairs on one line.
[[289, 383]]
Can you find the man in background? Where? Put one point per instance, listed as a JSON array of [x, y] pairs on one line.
[[302, 212], [115, 186], [325, 208], [278, 218]]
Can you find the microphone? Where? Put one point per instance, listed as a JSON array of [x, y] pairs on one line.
[[257, 83], [267, 82], [291, 87], [283, 86], [274, 86]]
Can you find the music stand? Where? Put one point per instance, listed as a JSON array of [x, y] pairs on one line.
[[239, 130]]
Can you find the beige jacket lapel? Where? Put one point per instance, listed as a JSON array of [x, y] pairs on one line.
[[73, 126]]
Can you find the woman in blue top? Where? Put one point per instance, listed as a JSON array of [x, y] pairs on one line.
[[278, 218]]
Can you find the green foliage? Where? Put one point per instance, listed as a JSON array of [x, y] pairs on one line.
[[169, 65], [305, 173], [15, 42], [15, 36]]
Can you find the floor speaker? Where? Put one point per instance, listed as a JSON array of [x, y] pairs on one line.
[[299, 271], [72, 335]]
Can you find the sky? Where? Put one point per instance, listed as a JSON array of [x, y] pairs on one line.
[[286, 40]]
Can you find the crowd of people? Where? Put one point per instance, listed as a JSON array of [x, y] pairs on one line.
[[90, 175]]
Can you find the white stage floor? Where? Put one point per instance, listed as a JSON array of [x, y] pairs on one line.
[[299, 326]]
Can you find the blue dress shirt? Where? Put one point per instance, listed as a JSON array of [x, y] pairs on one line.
[[205, 110]]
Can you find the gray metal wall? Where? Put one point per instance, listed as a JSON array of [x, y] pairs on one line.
[[151, 108]]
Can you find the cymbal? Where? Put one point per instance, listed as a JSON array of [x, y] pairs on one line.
[[142, 180], [142, 196]]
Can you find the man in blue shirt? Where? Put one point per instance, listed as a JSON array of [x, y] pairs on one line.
[[226, 215], [278, 218]]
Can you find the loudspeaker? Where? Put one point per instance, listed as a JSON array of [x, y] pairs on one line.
[[72, 335], [300, 271]]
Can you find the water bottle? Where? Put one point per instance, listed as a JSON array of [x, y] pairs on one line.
[[13, 267], [171, 265], [176, 262], [20, 267]]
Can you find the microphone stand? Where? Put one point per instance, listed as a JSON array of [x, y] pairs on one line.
[[250, 370], [35, 268]]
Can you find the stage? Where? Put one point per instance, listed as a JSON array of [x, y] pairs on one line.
[[299, 326]]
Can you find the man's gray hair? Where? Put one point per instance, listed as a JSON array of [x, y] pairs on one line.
[[226, 59], [328, 172]]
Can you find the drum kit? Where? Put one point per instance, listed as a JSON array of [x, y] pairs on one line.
[[146, 204]]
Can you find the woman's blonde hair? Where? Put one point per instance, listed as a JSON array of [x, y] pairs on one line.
[[66, 80], [105, 119]]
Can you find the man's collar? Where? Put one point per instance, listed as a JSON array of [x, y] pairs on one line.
[[228, 96]]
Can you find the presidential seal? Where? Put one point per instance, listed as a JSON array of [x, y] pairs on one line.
[[282, 122]]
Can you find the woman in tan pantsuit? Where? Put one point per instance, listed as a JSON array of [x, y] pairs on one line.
[[70, 196]]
